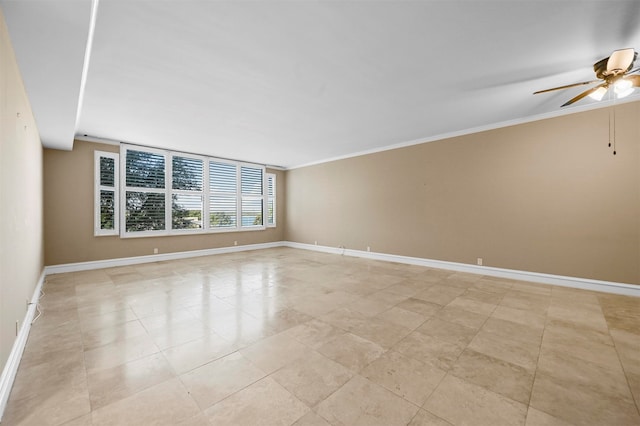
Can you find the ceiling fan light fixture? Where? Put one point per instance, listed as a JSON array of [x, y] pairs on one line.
[[623, 84], [624, 93], [623, 88], [598, 94]]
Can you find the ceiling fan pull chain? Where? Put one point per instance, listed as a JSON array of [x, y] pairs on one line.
[[614, 129], [614, 126], [610, 127]]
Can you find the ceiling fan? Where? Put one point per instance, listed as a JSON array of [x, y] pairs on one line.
[[612, 72]]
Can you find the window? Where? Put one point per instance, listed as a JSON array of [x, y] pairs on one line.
[[187, 192], [144, 198], [168, 193], [106, 193], [271, 199], [223, 195], [252, 195]]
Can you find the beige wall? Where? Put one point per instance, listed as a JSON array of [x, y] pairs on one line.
[[21, 246], [546, 196], [68, 223]]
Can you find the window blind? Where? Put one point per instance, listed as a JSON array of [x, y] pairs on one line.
[[223, 204], [106, 193], [168, 191], [187, 173], [144, 169]]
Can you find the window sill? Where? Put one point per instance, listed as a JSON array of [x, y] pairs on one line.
[[189, 232]]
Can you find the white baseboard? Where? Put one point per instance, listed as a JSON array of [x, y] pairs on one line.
[[11, 367], [124, 261], [536, 277]]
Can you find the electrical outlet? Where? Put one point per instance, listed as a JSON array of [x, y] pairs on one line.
[[368, 248], [480, 261], [315, 243], [155, 250], [235, 243]]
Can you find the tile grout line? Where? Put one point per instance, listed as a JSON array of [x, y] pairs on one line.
[[315, 407], [624, 370], [84, 360], [535, 373], [448, 372]]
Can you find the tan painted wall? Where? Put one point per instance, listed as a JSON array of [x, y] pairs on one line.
[[68, 223], [546, 196], [21, 245]]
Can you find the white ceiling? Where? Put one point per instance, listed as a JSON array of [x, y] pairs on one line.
[[296, 82]]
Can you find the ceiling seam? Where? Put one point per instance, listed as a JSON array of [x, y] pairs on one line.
[[87, 57]]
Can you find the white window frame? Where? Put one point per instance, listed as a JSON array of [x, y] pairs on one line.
[[206, 194], [250, 197], [203, 193], [97, 222], [223, 194], [267, 197], [125, 188]]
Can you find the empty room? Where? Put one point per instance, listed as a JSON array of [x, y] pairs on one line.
[[383, 212]]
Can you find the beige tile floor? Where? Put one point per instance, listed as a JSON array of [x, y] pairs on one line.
[[285, 336]]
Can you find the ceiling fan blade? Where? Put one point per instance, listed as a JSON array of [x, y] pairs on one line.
[[584, 94], [566, 87], [621, 60]]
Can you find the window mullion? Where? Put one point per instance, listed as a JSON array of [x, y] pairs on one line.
[[265, 194], [206, 216], [137, 189], [238, 197], [123, 192], [168, 198], [116, 194]]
